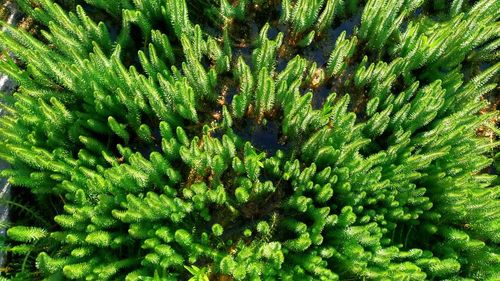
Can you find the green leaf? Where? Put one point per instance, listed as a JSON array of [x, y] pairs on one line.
[[26, 233]]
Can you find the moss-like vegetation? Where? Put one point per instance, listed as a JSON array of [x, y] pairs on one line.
[[253, 140]]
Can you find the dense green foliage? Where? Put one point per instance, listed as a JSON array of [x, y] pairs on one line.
[[253, 140]]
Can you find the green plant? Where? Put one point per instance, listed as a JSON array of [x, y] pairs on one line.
[[143, 121]]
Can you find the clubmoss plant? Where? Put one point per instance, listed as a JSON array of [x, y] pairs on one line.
[[253, 140]]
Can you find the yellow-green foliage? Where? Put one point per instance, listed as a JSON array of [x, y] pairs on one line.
[[253, 140]]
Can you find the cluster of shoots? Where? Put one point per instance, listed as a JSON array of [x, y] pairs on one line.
[[253, 140]]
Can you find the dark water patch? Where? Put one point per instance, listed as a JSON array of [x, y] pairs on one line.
[[484, 65], [212, 31], [69, 4], [146, 150], [253, 29], [242, 36], [267, 138], [492, 170], [131, 57], [378, 143], [347, 25], [245, 34], [273, 32], [245, 51], [97, 14], [281, 65], [114, 30], [320, 50], [320, 95], [358, 104], [230, 91], [418, 12]]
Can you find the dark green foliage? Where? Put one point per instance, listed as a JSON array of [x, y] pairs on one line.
[[254, 140]]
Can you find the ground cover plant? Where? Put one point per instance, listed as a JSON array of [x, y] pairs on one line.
[[252, 140]]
